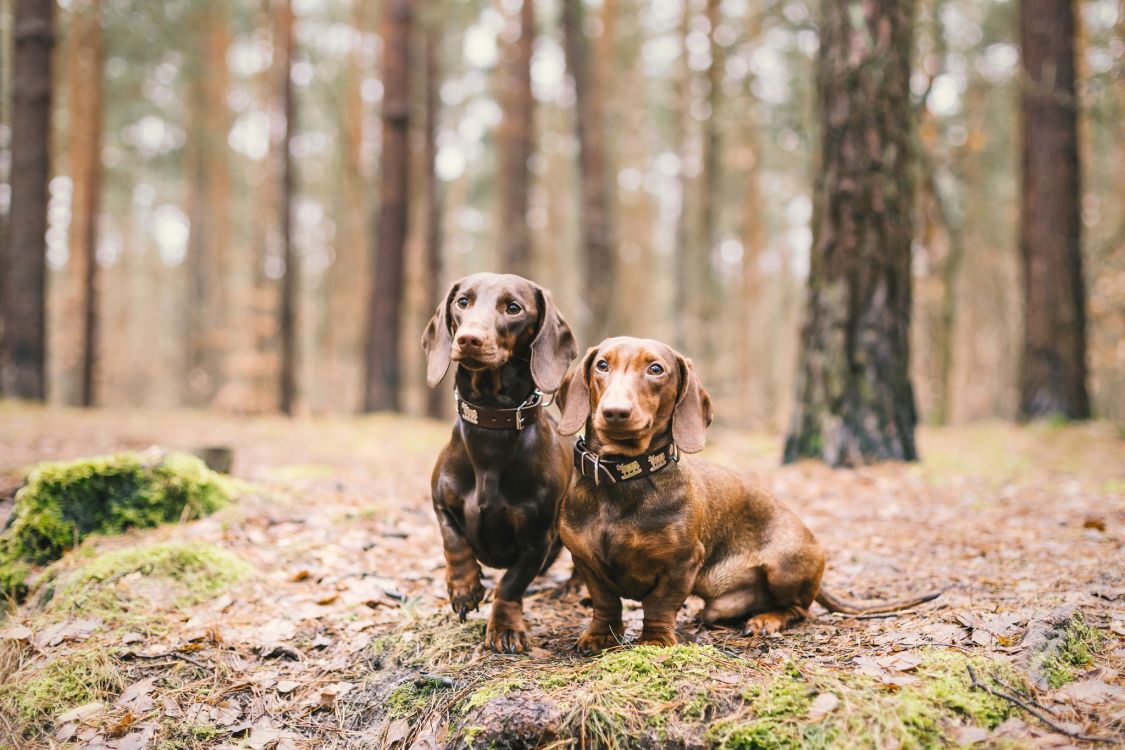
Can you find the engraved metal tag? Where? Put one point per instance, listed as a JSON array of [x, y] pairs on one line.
[[630, 469], [469, 414]]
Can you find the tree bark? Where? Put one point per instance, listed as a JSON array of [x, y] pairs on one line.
[[516, 147], [386, 301], [1053, 365], [23, 349], [435, 400], [855, 403], [681, 284], [287, 312], [706, 287], [209, 192], [597, 228], [86, 60]]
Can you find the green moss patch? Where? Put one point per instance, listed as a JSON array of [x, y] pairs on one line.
[[1066, 655], [137, 583], [650, 697], [36, 696], [63, 502]]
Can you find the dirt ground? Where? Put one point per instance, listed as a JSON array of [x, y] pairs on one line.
[[322, 645]]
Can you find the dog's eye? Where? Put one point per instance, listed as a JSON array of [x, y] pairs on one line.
[[602, 365], [462, 302], [514, 309], [655, 369]]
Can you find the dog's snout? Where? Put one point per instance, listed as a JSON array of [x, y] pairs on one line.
[[616, 413], [470, 340]]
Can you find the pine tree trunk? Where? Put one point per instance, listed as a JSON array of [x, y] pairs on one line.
[[854, 400], [85, 167], [597, 228], [516, 147], [435, 398], [681, 260], [386, 301], [287, 313], [207, 165], [707, 292], [1053, 366], [23, 349]]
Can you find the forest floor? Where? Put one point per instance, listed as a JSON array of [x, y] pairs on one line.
[[338, 632]]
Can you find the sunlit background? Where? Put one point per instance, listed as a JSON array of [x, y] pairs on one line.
[[191, 131]]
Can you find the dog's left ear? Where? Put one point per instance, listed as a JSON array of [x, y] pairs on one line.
[[553, 347], [574, 396], [437, 340], [693, 413]]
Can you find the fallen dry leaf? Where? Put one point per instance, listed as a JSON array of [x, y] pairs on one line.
[[84, 711], [822, 705]]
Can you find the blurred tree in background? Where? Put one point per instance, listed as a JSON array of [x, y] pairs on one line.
[[669, 176]]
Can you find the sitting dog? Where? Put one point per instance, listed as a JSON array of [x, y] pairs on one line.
[[498, 484], [646, 524]]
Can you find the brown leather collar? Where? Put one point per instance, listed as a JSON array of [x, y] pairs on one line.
[[593, 466], [500, 419]]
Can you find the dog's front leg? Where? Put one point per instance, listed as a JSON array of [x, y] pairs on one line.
[[664, 601], [506, 633], [605, 630], [462, 571]]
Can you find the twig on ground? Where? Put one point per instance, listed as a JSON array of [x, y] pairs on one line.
[[977, 684]]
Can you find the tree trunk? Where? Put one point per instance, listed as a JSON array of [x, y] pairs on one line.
[[287, 313], [707, 291], [386, 301], [207, 164], [855, 403], [681, 293], [516, 147], [1053, 366], [23, 350], [85, 167], [597, 228], [435, 400]]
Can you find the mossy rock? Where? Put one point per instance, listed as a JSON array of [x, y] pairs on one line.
[[61, 503], [134, 584]]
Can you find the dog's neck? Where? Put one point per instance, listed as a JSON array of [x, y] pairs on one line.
[[504, 387]]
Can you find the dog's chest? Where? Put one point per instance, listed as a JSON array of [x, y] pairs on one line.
[[625, 555]]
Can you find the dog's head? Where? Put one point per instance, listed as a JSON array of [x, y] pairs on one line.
[[486, 319], [631, 391]]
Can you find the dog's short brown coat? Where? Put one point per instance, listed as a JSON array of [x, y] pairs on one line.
[[497, 492], [690, 528]]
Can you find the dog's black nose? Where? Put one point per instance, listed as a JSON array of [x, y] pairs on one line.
[[616, 413], [469, 341]]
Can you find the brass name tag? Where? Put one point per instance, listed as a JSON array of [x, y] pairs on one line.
[[630, 469]]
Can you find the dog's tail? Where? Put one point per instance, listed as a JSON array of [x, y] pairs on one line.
[[832, 602]]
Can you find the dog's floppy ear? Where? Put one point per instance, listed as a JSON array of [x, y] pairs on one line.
[[553, 347], [574, 395], [693, 414], [437, 340]]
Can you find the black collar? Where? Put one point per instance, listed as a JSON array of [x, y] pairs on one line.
[[593, 466], [500, 419]]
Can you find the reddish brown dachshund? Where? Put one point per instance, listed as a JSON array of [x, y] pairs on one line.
[[646, 524], [498, 484]]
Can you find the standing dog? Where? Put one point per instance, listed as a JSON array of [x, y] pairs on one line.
[[498, 484], [644, 524]]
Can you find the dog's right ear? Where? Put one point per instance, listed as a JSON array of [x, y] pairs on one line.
[[437, 341], [574, 395]]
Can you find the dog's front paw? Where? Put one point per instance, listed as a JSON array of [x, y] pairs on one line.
[[592, 643], [656, 638], [506, 640], [465, 595], [506, 633]]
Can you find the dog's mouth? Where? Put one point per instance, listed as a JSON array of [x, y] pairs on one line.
[[480, 360], [624, 440]]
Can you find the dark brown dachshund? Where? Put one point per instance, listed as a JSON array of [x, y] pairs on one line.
[[645, 524], [498, 484]]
